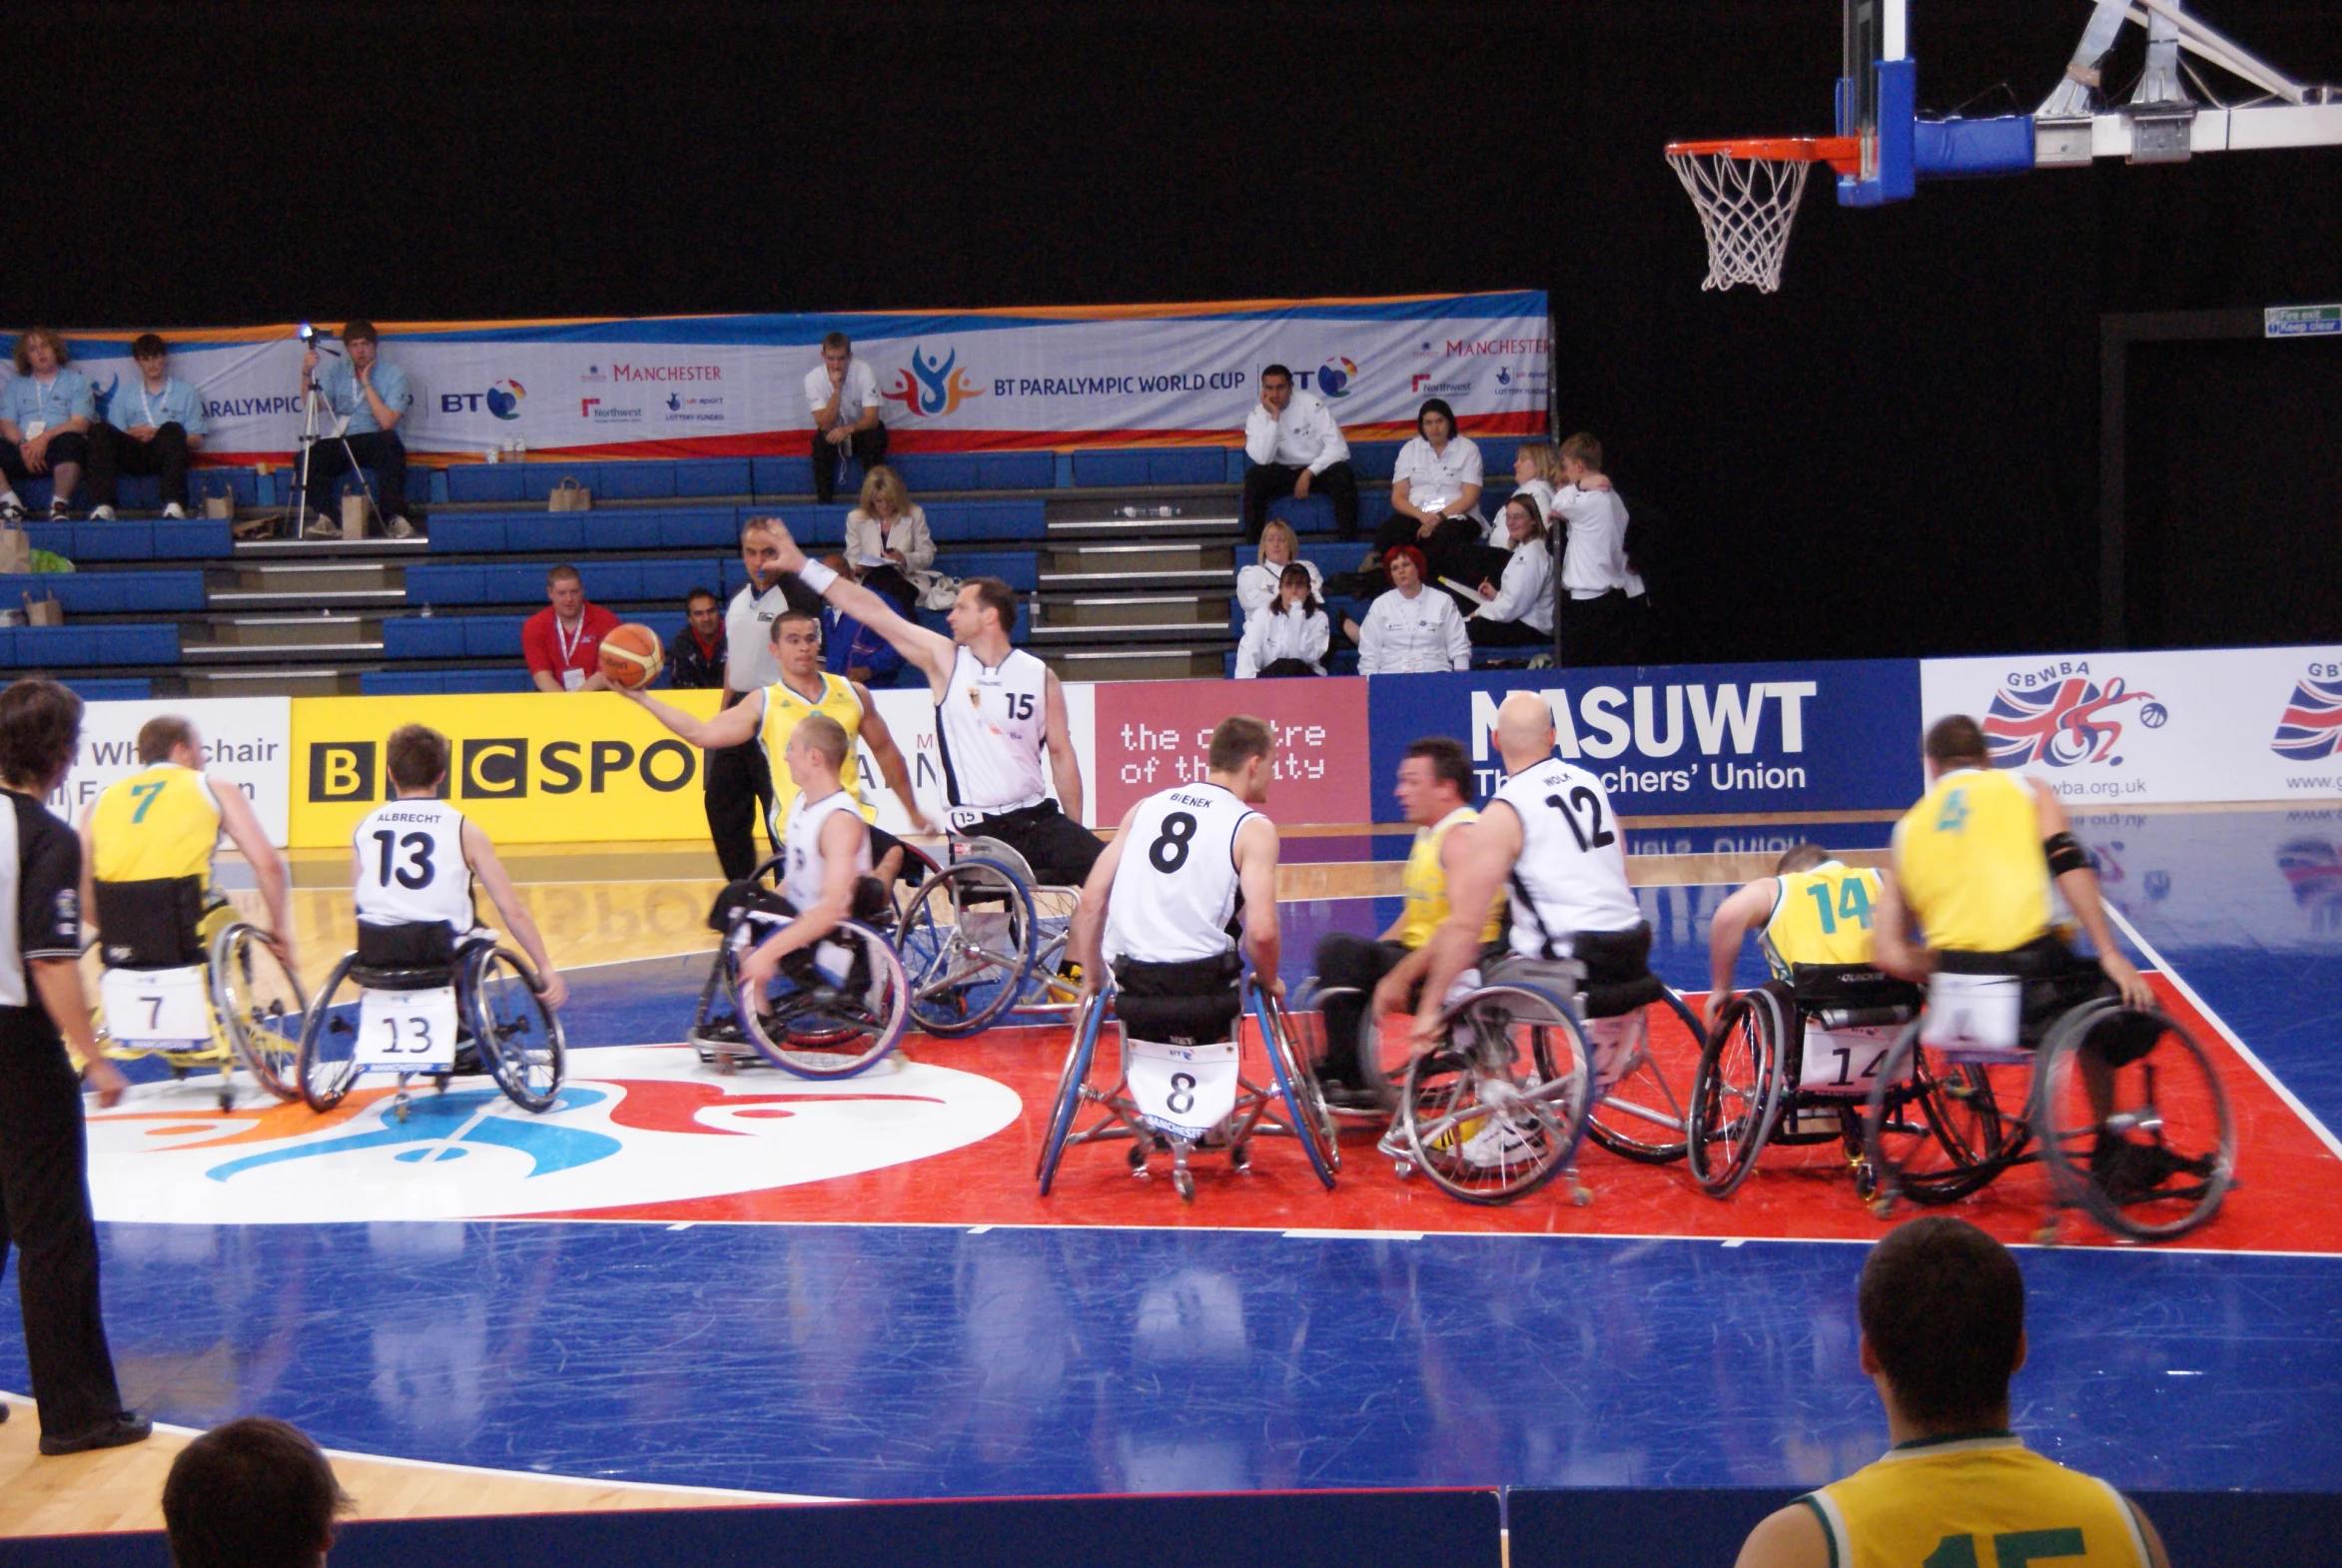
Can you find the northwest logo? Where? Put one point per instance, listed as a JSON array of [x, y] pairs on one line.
[[934, 385], [2312, 722], [2072, 721]]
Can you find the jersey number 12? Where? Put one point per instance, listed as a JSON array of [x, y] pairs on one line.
[[1590, 834]]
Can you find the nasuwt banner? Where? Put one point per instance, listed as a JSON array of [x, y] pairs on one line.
[[951, 381]]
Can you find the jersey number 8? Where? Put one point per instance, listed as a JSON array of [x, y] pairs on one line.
[[1169, 851]]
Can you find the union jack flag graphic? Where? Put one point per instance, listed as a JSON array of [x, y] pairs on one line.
[[2312, 722], [2064, 724]]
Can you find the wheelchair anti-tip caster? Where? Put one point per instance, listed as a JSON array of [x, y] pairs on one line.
[[1185, 1182], [1403, 1167], [227, 1100], [1240, 1157]]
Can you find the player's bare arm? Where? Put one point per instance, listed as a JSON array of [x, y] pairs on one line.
[[1255, 854], [931, 651], [1064, 768], [1892, 946], [479, 853], [268, 866], [1472, 887], [2079, 883], [1087, 928], [1752, 905], [888, 758], [1789, 1538], [841, 844], [734, 726]]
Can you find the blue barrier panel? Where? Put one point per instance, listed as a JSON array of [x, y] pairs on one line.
[[1691, 738]]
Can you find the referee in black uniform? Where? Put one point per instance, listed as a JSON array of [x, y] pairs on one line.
[[44, 1162]]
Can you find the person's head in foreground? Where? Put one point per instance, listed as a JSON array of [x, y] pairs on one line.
[[254, 1493]]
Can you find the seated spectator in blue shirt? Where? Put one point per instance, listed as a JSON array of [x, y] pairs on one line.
[[371, 396], [852, 650], [150, 428], [45, 417], [696, 656]]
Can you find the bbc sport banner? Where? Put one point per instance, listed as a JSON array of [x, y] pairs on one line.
[[2134, 729], [246, 740], [1113, 375]]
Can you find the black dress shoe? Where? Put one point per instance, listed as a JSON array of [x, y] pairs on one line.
[[125, 1426]]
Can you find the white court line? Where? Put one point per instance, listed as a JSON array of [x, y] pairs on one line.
[[2292, 1100]]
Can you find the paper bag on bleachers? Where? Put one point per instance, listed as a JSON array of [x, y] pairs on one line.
[[16, 553], [570, 495], [220, 507], [354, 509], [43, 612]]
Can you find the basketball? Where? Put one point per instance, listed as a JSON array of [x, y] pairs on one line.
[[630, 656]]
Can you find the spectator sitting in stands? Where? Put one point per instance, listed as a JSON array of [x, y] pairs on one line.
[[1287, 637], [1536, 470], [1295, 445], [852, 650], [1410, 629], [370, 395], [696, 655], [45, 417], [1258, 584], [842, 392], [1434, 491], [1517, 611], [254, 1493], [149, 428], [564, 641], [887, 540]]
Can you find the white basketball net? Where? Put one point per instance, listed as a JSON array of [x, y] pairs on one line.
[[1747, 206]]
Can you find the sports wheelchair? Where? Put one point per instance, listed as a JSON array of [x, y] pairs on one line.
[[184, 979], [1792, 1063], [981, 937], [1178, 1098], [834, 1010], [2123, 1107], [420, 1002]]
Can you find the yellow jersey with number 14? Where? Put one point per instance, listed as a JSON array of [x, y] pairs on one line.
[[1969, 862], [1822, 916], [161, 823], [1983, 1502], [1425, 884]]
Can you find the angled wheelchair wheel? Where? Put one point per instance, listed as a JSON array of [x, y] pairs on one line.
[[1079, 1052], [519, 1038], [1304, 1104], [326, 1061], [2145, 1147], [1500, 1106], [1643, 1111], [1936, 1130], [261, 1005], [831, 1011], [966, 942], [1736, 1092]]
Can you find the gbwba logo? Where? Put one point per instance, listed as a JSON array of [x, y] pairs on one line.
[[2311, 725], [2064, 724]]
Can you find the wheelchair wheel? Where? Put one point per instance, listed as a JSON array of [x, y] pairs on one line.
[[519, 1038], [1304, 1104], [1736, 1094], [326, 1062], [1384, 1047], [1937, 1131], [2158, 1156], [261, 1005], [966, 942], [1643, 1114], [1500, 1106], [831, 1011], [1071, 1077]]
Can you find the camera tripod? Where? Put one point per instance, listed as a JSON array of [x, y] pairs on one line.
[[316, 413]]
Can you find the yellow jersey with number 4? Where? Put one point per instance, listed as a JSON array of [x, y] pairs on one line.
[[1969, 862], [1983, 1502], [1822, 916], [161, 823]]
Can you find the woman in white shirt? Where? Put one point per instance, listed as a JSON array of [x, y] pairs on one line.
[[1517, 611], [1256, 585], [1413, 629], [887, 539], [1536, 470], [1287, 637], [1434, 490]]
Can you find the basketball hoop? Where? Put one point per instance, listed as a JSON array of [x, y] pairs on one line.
[[1747, 193]]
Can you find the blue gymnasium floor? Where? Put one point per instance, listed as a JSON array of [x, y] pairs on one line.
[[876, 1360]]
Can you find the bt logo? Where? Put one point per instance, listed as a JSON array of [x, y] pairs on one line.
[[502, 399]]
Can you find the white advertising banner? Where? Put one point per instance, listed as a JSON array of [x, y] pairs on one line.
[[246, 740], [2123, 729]]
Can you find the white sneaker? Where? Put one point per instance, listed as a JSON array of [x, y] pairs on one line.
[[401, 528], [11, 507], [176, 512], [101, 514], [1501, 1141]]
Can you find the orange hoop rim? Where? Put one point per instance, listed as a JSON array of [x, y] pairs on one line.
[[1841, 153]]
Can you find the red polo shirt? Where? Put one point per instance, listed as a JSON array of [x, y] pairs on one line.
[[546, 647]]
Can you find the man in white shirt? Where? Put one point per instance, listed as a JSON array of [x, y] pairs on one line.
[[842, 394], [1411, 629], [1595, 627], [1295, 446]]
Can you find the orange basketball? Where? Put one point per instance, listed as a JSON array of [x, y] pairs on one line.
[[630, 656]]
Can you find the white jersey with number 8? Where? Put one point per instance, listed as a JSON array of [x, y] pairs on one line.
[[1571, 876], [411, 866], [1174, 889]]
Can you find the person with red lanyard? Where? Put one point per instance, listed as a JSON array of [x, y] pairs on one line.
[[564, 641]]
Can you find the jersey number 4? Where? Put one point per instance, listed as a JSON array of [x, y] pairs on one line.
[[1590, 833], [418, 870]]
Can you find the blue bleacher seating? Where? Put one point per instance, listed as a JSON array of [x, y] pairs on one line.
[[432, 683], [111, 688], [712, 476], [413, 637], [108, 593], [1130, 466], [67, 647], [539, 481], [955, 521], [1019, 570], [484, 481]]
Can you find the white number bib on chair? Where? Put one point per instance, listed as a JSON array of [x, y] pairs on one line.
[[161, 1009], [1975, 1012], [1843, 1061], [1184, 1090], [407, 1031]]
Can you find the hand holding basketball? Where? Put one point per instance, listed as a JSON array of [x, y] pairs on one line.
[[631, 658]]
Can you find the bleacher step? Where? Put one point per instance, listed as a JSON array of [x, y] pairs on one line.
[[1114, 528], [1136, 663], [1099, 610], [337, 584], [316, 549], [1214, 580], [271, 683], [255, 653], [1214, 632], [1120, 560], [280, 632]]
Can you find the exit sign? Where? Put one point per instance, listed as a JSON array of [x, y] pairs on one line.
[[2301, 321]]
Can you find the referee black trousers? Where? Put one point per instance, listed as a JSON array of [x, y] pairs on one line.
[[739, 789], [45, 1205]]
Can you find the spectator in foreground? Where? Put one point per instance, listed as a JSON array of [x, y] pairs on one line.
[[1941, 1306], [1295, 446], [564, 641], [1596, 625], [255, 1493], [150, 431], [1258, 584], [887, 540], [841, 393], [370, 394], [1411, 629], [696, 655], [45, 420], [852, 650], [1434, 490], [1287, 637], [1516, 610]]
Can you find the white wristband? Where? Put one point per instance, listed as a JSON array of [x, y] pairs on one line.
[[816, 577]]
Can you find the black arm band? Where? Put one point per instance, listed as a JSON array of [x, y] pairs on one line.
[[2065, 854]]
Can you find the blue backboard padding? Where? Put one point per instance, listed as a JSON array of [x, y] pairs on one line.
[[1949, 149]]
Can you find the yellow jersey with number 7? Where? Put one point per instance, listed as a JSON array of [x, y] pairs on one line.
[[1969, 862], [1979, 1501], [161, 823], [1822, 916]]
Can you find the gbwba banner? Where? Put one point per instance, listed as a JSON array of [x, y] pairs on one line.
[[964, 380]]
